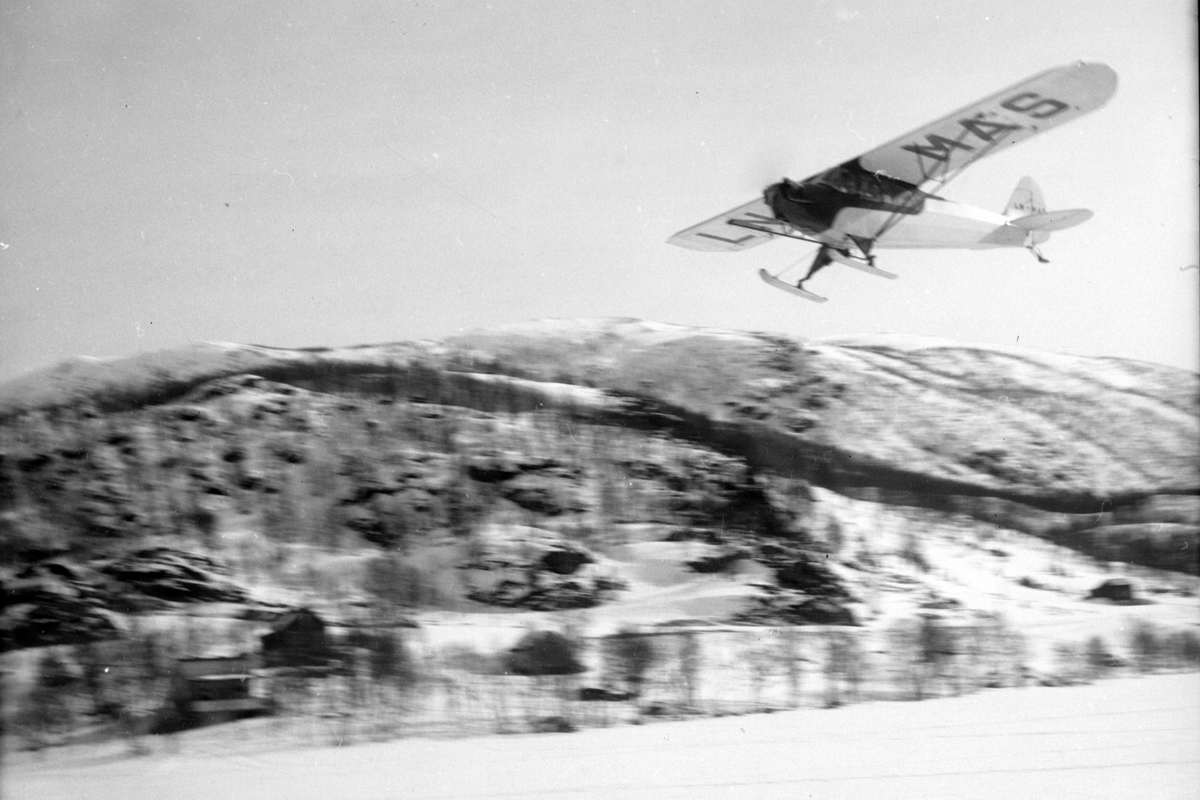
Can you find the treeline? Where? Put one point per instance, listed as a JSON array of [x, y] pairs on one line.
[[388, 681]]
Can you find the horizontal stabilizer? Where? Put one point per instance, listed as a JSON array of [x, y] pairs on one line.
[[1053, 220], [787, 287]]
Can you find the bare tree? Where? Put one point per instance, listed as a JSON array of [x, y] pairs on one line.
[[843, 667], [789, 652], [689, 667], [393, 671], [1145, 642], [921, 649], [394, 583], [46, 714], [1183, 648], [628, 656], [1097, 657], [758, 658]]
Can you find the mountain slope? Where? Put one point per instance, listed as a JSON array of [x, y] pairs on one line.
[[1100, 454]]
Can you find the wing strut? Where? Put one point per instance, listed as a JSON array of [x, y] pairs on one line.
[[926, 188]]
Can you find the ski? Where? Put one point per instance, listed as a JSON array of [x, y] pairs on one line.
[[787, 287]]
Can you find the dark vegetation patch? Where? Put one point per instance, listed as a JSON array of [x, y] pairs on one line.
[[721, 562], [792, 608], [543, 653], [1170, 546]]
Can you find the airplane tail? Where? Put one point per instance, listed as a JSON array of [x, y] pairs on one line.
[[1027, 209], [1026, 199]]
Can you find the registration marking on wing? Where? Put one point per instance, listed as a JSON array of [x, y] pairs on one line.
[[939, 149], [724, 233], [716, 238]]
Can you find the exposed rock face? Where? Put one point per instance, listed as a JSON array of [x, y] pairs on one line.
[[818, 611], [546, 596], [173, 576], [54, 603], [789, 608], [535, 570], [60, 602], [810, 577]]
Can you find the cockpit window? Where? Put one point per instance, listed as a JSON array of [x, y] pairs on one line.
[[869, 186]]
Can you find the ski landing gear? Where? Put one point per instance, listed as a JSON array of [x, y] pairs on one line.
[[823, 259], [1031, 246], [826, 255], [787, 287]]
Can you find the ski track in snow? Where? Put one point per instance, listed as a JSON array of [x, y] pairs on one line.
[[1127, 738]]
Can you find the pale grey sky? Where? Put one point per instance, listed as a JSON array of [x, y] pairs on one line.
[[316, 173]]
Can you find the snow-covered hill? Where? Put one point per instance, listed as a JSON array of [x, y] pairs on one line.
[[1099, 454]]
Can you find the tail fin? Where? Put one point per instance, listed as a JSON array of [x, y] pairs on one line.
[[1026, 199]]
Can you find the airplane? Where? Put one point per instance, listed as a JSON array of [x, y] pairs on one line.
[[886, 197]]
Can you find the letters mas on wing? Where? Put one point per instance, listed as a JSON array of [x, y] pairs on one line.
[[1031, 104]]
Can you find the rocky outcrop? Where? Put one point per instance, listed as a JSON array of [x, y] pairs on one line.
[[803, 574], [534, 570], [787, 608], [54, 602], [719, 562], [173, 576], [57, 601]]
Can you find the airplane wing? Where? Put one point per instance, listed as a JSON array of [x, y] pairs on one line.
[[721, 232], [937, 151]]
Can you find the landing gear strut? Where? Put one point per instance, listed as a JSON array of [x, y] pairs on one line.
[[1031, 246], [822, 260], [828, 254]]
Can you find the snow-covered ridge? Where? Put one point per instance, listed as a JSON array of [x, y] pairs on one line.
[[926, 418]]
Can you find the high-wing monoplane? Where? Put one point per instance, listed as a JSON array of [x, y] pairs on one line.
[[886, 197]]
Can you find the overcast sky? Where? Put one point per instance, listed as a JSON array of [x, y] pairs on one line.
[[325, 173]]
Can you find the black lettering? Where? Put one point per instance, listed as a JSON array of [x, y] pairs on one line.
[[745, 238], [1034, 105], [938, 147], [986, 130]]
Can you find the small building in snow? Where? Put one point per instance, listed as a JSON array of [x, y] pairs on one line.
[[296, 639], [216, 688], [1118, 590]]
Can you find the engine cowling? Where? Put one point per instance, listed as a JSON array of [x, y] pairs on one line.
[[809, 207]]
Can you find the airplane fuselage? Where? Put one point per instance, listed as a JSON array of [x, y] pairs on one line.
[[813, 205], [940, 224], [909, 217]]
